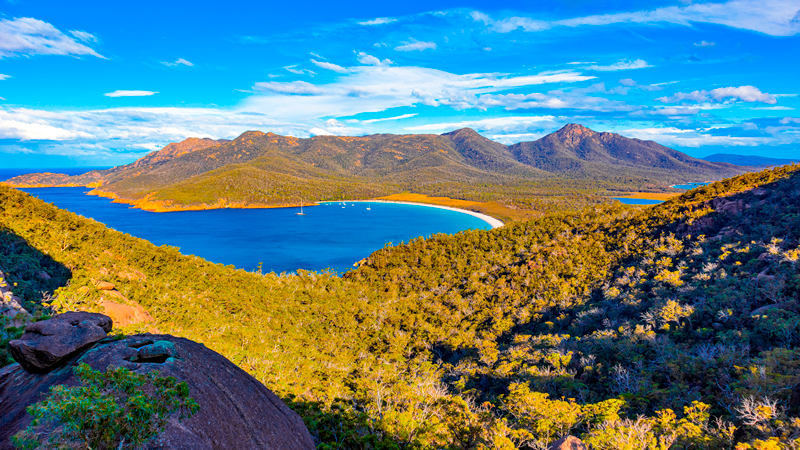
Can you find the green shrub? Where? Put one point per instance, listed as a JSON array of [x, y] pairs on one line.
[[117, 409]]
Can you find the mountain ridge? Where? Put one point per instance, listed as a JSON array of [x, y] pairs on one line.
[[205, 173]]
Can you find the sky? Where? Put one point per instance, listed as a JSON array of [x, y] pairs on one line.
[[100, 83]]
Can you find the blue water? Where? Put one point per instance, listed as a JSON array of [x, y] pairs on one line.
[[638, 201], [689, 186], [328, 236]]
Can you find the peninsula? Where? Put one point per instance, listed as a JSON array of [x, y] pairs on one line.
[[571, 167]]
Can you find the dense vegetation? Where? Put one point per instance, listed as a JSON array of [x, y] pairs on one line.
[[568, 168], [675, 326]]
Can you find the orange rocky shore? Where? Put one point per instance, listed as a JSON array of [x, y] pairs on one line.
[[148, 204]]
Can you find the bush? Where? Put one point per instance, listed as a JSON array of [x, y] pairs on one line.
[[117, 409]]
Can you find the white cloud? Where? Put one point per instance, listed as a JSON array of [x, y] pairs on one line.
[[492, 124], [773, 108], [378, 88], [83, 36], [294, 87], [378, 21], [380, 44], [581, 62], [622, 65], [116, 132], [404, 116], [481, 17], [414, 45], [364, 58], [573, 99], [121, 93], [316, 131], [294, 69], [772, 17], [25, 127], [4, 77], [630, 83], [671, 136], [788, 120], [29, 36], [704, 44], [180, 61], [330, 66], [294, 108], [674, 111], [743, 93]]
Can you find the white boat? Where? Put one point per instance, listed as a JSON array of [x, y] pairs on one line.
[[369, 207], [301, 213]]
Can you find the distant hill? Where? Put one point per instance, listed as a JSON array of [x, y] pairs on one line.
[[749, 160], [266, 169], [660, 323], [575, 149]]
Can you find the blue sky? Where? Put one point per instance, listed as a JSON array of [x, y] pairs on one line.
[[103, 83]]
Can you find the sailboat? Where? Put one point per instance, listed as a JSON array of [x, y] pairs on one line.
[[369, 207], [301, 213]]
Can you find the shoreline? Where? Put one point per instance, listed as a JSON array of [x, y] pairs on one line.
[[494, 223], [158, 207]]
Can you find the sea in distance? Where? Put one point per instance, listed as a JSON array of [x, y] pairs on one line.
[[326, 237], [645, 201]]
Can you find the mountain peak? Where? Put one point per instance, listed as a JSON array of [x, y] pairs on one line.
[[573, 133], [462, 132]]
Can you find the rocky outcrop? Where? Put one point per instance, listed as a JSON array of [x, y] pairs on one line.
[[11, 306], [45, 345], [105, 286], [236, 411], [123, 314], [568, 443]]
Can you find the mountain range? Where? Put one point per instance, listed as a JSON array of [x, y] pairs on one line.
[[266, 169]]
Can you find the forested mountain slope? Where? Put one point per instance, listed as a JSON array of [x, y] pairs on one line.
[[685, 313], [575, 149], [258, 169]]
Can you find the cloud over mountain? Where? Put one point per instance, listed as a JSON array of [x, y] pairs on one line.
[[742, 93]]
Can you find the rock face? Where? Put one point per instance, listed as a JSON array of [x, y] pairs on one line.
[[568, 443], [236, 411], [10, 305], [45, 345]]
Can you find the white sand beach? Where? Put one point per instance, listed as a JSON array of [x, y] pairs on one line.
[[494, 223]]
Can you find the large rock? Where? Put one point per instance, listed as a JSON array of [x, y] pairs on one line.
[[236, 411], [568, 443], [45, 345]]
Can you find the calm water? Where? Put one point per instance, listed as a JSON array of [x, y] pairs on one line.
[[642, 201], [689, 186], [638, 201], [328, 236]]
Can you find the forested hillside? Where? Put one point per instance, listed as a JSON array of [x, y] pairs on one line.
[[573, 166], [674, 326]]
